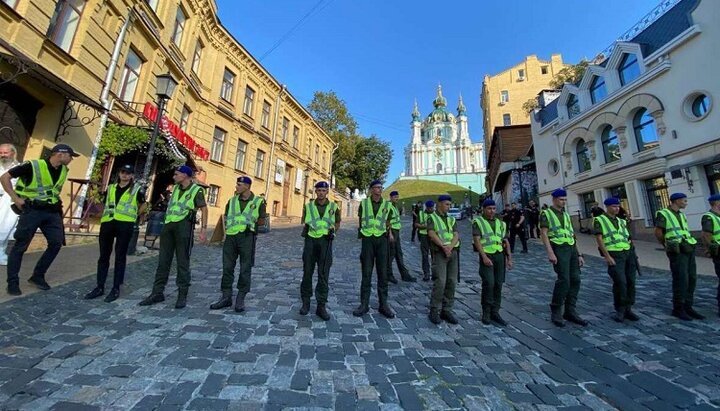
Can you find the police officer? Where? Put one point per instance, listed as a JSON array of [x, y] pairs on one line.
[[124, 202], [671, 230], [711, 236], [491, 241], [177, 236], [375, 232], [421, 225], [244, 212], [36, 197], [395, 252], [321, 220], [445, 241], [559, 240], [613, 240]]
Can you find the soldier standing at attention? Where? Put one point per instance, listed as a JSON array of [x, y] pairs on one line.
[[243, 213], [559, 239], [711, 236], [375, 232], [491, 241], [671, 230], [321, 220], [395, 252], [445, 241], [416, 208], [176, 238], [613, 240], [421, 225]]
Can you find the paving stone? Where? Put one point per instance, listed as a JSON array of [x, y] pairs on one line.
[[247, 379], [289, 398], [67, 351], [213, 385], [544, 393], [123, 371], [19, 382], [408, 397], [300, 380], [208, 404], [73, 406], [614, 397], [663, 389], [180, 394]]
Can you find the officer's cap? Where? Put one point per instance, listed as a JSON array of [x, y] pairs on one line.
[[375, 183], [64, 148], [677, 196], [559, 193], [128, 169], [488, 202], [394, 193], [612, 201], [186, 170], [322, 184], [429, 204], [444, 197], [713, 198], [245, 180]]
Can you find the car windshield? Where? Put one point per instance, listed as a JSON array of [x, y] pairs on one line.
[[454, 210]]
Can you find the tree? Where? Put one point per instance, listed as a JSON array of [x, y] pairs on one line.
[[372, 160], [531, 105], [571, 74]]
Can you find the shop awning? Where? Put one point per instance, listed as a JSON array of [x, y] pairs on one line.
[[174, 131]]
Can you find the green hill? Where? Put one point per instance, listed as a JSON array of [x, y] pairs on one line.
[[412, 191]]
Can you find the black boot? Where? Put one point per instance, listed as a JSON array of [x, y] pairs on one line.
[[498, 319], [14, 289], [386, 310], [434, 317], [556, 317], [681, 314], [152, 299], [181, 299], [408, 278], [240, 303], [486, 316], [392, 279], [224, 302], [426, 277], [572, 316], [361, 310], [694, 314], [448, 316], [322, 312], [39, 282], [95, 293], [113, 295], [305, 307], [630, 315]]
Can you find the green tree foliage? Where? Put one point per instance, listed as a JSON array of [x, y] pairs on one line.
[[531, 105], [571, 74], [373, 158]]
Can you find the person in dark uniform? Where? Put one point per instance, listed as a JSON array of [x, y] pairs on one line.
[[375, 232], [416, 208], [596, 210], [559, 239], [444, 244], [395, 252], [671, 230], [491, 242], [533, 215], [421, 225], [244, 212], [321, 220], [124, 203], [615, 245], [710, 223], [515, 221], [36, 197], [176, 238]]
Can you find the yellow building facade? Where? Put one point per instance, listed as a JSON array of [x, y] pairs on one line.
[[228, 115], [504, 94]]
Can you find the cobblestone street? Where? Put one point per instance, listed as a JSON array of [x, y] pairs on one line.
[[60, 352]]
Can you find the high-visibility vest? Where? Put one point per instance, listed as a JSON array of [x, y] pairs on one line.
[[394, 217], [422, 218], [491, 239], [238, 220], [444, 231], [181, 205], [559, 233], [615, 239], [676, 231], [41, 187], [374, 226], [716, 226], [126, 209], [318, 225]]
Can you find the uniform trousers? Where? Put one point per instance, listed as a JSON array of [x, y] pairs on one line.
[[316, 252], [373, 253], [117, 233], [176, 241], [50, 224], [237, 247]]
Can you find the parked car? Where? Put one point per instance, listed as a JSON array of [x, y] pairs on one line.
[[457, 213]]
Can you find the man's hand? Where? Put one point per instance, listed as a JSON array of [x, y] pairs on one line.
[[508, 263], [448, 250], [487, 261], [202, 236], [581, 261], [609, 260], [391, 238], [19, 203], [552, 258]]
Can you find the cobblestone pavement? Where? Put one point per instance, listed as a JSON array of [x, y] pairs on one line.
[[60, 352]]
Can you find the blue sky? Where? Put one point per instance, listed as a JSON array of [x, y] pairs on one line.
[[379, 55]]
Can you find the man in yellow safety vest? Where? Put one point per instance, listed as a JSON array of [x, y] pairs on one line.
[[710, 223]]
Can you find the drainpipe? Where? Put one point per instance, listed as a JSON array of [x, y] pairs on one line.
[[272, 147], [560, 160], [332, 157], [107, 104]]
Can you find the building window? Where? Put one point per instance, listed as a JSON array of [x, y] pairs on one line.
[[259, 163], [130, 76], [153, 4], [588, 201], [64, 23], [240, 155], [597, 89], [644, 128], [629, 68], [11, 3], [213, 195], [553, 167], [185, 118], [249, 101], [317, 153], [265, 117], [713, 176], [226, 91], [506, 120], [657, 195], [197, 55], [309, 144], [573, 106], [324, 155], [583, 156], [180, 19], [296, 136], [544, 69], [504, 97], [218, 144], [521, 74], [285, 128], [611, 148], [700, 105]]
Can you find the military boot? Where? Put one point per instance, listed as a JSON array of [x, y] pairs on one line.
[[620, 315], [434, 317], [486, 316], [556, 316], [448, 316], [322, 312], [681, 314], [386, 310], [305, 307], [498, 319], [572, 316], [361, 310], [240, 303], [426, 277], [694, 314], [153, 298], [224, 302], [181, 299], [630, 315]]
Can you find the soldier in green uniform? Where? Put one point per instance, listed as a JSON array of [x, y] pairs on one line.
[[375, 232], [711, 236], [244, 212], [490, 239], [421, 224], [613, 240], [671, 230], [395, 252], [176, 238], [559, 240], [321, 220], [445, 241]]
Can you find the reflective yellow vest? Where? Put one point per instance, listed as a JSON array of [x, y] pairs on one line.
[[179, 207], [422, 218], [237, 220], [491, 240], [374, 226], [394, 217], [41, 187], [716, 226], [559, 233], [126, 209], [319, 226], [676, 232], [444, 231], [615, 239]]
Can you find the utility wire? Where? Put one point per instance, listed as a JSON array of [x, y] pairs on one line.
[[314, 9]]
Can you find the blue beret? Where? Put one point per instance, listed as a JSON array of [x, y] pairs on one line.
[[429, 203], [714, 197], [185, 170], [394, 193], [612, 201], [375, 183], [244, 179], [677, 196], [559, 193], [444, 197], [322, 184], [488, 202]]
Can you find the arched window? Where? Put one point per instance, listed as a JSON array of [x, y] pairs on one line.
[[610, 146], [583, 156], [573, 106], [438, 168], [629, 68], [597, 89], [644, 128]]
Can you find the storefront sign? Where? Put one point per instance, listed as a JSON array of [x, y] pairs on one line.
[[150, 112], [279, 171]]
